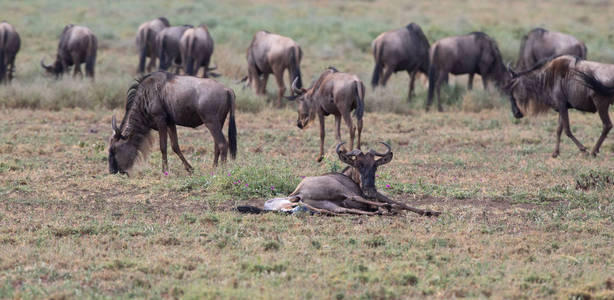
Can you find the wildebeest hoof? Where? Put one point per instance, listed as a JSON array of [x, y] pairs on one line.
[[440, 109], [555, 154], [319, 158], [594, 154]]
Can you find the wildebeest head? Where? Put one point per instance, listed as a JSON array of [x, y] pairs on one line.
[[306, 113], [122, 154], [366, 164], [515, 91], [55, 69]]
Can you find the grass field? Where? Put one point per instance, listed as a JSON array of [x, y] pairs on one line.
[[516, 223]]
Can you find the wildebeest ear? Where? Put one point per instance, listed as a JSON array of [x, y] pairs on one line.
[[346, 158], [384, 160]]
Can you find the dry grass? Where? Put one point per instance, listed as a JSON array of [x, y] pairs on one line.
[[515, 222]]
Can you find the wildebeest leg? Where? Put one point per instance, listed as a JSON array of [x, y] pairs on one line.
[[152, 62], [559, 130], [347, 117], [565, 116], [221, 146], [262, 83], [281, 88], [75, 57], [322, 134], [387, 74], [333, 208], [162, 132], [470, 82], [365, 201], [422, 212], [602, 108], [438, 90], [485, 83], [172, 132], [412, 79], [359, 123], [338, 128]]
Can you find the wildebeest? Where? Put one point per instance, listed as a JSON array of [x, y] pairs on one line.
[[405, 49], [562, 83], [167, 45], [333, 93], [9, 46], [77, 45], [353, 191], [540, 44], [196, 46], [146, 42], [161, 101], [271, 53], [474, 53]]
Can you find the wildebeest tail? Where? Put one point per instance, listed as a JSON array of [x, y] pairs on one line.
[[359, 93], [162, 55], [90, 59], [232, 126], [590, 81], [143, 53], [3, 36], [433, 73], [295, 63], [377, 70]]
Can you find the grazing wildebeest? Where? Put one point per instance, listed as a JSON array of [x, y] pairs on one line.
[[562, 83], [9, 46], [196, 46], [167, 45], [271, 53], [333, 93], [540, 44], [146, 42], [474, 53], [353, 191], [405, 49], [161, 101], [77, 45]]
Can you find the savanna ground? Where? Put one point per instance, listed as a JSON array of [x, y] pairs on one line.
[[515, 224]]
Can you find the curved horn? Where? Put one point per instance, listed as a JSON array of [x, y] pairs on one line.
[[43, 64], [382, 154], [114, 126], [338, 149], [294, 88], [511, 71]]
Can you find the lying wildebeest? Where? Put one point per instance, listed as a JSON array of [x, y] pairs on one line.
[[162, 100], [405, 49], [77, 45], [271, 53], [9, 46], [146, 42], [350, 192], [333, 93], [167, 45], [562, 83], [540, 44], [474, 53], [196, 46]]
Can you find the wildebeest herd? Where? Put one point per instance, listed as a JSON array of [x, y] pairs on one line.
[[551, 72]]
